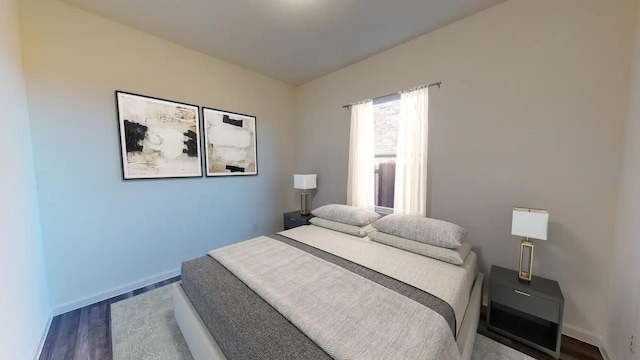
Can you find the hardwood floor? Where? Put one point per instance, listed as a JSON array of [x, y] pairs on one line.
[[85, 334]]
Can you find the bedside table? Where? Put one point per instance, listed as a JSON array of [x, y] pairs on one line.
[[294, 219], [529, 313]]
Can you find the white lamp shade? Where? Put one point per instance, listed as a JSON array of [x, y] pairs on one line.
[[304, 181], [530, 223]]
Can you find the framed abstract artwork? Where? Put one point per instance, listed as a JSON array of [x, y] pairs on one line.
[[230, 143], [158, 138]]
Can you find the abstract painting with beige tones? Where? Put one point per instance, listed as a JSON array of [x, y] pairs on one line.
[[230, 141], [159, 138]]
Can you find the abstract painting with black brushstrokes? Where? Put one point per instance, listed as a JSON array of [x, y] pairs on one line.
[[230, 143], [158, 138]]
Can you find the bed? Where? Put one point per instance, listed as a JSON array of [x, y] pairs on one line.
[[231, 305]]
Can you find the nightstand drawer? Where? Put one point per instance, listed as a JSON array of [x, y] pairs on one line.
[[293, 221], [525, 302]]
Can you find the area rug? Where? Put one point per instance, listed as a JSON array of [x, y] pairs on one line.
[[143, 328]]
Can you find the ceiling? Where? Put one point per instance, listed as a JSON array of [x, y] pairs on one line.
[[291, 40]]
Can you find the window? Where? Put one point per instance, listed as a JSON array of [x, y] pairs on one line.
[[385, 133], [386, 112]]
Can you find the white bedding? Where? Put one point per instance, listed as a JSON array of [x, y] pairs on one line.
[[451, 283], [344, 313]]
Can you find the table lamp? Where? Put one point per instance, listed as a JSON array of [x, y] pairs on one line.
[[530, 223], [304, 182]]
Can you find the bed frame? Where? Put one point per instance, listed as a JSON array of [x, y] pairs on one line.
[[204, 347]]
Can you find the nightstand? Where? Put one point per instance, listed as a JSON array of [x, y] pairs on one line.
[[528, 313], [294, 219]]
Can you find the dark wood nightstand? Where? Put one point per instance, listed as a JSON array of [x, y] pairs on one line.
[[528, 313], [294, 219]]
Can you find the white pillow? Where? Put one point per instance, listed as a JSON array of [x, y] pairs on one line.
[[422, 229], [451, 256], [360, 231], [346, 214]]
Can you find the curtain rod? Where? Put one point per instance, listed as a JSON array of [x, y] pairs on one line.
[[399, 92]]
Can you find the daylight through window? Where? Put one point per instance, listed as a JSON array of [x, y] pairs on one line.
[[386, 112]]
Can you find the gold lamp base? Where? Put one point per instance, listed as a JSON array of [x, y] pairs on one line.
[[526, 261]]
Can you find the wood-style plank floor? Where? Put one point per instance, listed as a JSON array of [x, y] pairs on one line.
[[85, 334]]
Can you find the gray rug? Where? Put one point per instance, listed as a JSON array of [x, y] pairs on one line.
[[487, 349], [143, 328]]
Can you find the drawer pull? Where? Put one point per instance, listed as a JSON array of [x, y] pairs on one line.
[[293, 219], [522, 293]]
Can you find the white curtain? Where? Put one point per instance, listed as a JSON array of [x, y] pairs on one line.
[[411, 164], [360, 187]]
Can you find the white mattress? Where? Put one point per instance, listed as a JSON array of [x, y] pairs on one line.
[[451, 283]]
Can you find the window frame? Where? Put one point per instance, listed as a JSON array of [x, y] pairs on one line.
[[383, 210]]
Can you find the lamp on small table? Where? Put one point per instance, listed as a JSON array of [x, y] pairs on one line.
[[530, 223], [304, 182]]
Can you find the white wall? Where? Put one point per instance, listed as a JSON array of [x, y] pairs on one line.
[[103, 235], [623, 303], [531, 113], [24, 305]]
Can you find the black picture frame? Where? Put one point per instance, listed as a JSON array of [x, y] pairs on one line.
[[154, 145], [226, 151]]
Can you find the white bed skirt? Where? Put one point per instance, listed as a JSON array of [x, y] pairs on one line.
[[203, 346]]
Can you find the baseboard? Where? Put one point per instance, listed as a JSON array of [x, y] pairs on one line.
[[587, 337], [92, 299], [603, 352], [580, 334], [45, 332]]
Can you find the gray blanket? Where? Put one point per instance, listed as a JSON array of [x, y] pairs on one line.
[[243, 324], [246, 327], [347, 315]]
